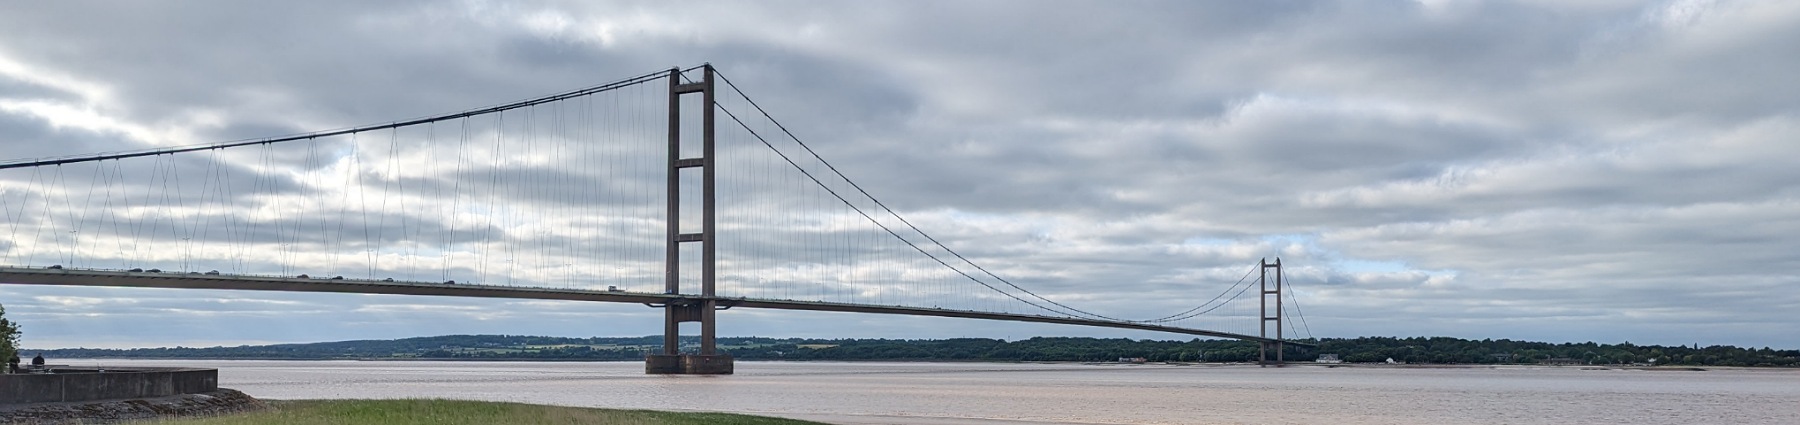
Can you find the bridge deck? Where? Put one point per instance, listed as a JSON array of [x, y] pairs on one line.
[[111, 278]]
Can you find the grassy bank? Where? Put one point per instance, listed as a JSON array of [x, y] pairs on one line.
[[422, 412]]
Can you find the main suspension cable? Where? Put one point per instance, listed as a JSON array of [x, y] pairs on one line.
[[915, 228], [339, 132]]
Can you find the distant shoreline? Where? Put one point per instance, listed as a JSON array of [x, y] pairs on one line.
[[1669, 368], [1376, 351]]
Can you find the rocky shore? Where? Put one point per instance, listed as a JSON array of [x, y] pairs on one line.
[[221, 402]]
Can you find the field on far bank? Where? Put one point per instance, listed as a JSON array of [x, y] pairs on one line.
[[454, 412]]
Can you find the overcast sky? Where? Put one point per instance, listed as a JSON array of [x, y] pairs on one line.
[[1546, 170]]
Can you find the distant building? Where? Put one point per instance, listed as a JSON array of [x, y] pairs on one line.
[[1133, 360], [1328, 358], [1563, 361]]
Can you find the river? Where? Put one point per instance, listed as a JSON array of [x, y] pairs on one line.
[[1024, 393]]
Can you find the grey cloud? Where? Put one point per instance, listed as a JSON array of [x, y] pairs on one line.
[[1532, 171]]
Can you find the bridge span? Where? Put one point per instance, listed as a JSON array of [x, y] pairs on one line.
[[195, 280]]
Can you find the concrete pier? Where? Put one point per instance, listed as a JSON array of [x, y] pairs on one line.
[[688, 364]]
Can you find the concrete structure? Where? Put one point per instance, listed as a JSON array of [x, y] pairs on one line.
[[708, 361], [1277, 342], [688, 364], [66, 384]]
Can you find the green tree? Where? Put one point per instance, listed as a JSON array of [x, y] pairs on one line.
[[9, 336]]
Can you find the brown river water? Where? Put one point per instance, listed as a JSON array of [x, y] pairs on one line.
[[1025, 393]]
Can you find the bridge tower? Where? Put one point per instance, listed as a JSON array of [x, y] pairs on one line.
[[1263, 355], [671, 360]]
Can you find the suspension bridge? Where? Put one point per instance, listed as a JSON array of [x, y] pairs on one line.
[[672, 189]]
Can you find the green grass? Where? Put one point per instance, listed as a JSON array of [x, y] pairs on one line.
[[453, 412]]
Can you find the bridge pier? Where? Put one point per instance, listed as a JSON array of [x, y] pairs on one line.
[[1277, 344], [688, 364], [672, 361]]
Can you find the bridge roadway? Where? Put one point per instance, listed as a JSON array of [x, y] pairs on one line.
[[113, 278]]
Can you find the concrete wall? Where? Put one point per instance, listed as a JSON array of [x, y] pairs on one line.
[[68, 385], [688, 364]]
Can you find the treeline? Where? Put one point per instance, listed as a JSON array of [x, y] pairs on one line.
[[1438, 350]]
